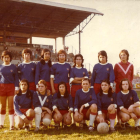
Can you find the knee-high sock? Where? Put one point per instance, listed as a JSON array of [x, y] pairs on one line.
[[11, 118], [91, 119], [38, 112], [2, 118], [137, 122], [112, 122]]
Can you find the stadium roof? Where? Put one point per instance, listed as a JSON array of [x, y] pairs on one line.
[[39, 18]]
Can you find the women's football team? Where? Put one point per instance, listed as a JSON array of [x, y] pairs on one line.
[[42, 92]]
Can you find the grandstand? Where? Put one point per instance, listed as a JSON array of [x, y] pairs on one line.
[[23, 19]]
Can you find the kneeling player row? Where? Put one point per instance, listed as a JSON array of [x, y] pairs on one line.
[[87, 106]]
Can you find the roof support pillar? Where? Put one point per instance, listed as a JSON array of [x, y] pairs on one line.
[[30, 39], [79, 40], [4, 36], [64, 43], [55, 45]]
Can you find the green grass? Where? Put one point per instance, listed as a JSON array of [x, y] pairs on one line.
[[51, 134]]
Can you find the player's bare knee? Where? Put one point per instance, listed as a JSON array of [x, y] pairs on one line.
[[38, 110], [68, 121], [98, 119], [125, 118], [58, 118], [93, 108], [113, 111], [30, 113]]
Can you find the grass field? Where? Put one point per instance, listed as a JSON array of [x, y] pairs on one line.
[[51, 134]]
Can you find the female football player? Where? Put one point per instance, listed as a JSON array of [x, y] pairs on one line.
[[23, 106], [62, 106], [123, 69], [60, 72], [26, 69], [101, 71], [43, 105], [107, 104], [43, 68], [128, 103], [9, 86], [85, 105]]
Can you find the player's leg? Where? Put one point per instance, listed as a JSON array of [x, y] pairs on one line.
[[112, 116], [137, 121], [2, 110], [38, 112], [11, 111], [91, 114], [19, 123]]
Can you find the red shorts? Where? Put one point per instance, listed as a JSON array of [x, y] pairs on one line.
[[74, 88], [7, 89], [49, 86], [110, 116], [84, 114], [56, 87], [32, 86], [97, 88], [24, 112]]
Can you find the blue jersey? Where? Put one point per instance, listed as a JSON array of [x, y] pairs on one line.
[[9, 75], [27, 71], [102, 72], [22, 102], [78, 72], [127, 99], [42, 72], [104, 101], [88, 98], [63, 103], [42, 100], [60, 72]]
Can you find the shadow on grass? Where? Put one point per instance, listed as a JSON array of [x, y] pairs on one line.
[[70, 131]]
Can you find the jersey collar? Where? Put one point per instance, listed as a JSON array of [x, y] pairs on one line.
[[6, 65], [85, 91], [124, 93], [105, 93], [61, 63], [103, 64], [27, 62], [78, 67]]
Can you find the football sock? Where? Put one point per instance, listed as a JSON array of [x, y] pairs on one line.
[[2, 118]]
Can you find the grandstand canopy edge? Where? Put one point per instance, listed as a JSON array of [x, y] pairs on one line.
[[40, 18]]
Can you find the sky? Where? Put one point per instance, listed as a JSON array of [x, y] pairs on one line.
[[118, 29]]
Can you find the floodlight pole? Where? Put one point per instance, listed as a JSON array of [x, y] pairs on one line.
[[79, 40]]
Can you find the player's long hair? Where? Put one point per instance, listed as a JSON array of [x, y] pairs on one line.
[[126, 52], [28, 93], [78, 55], [66, 94], [42, 57], [109, 90], [125, 79]]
